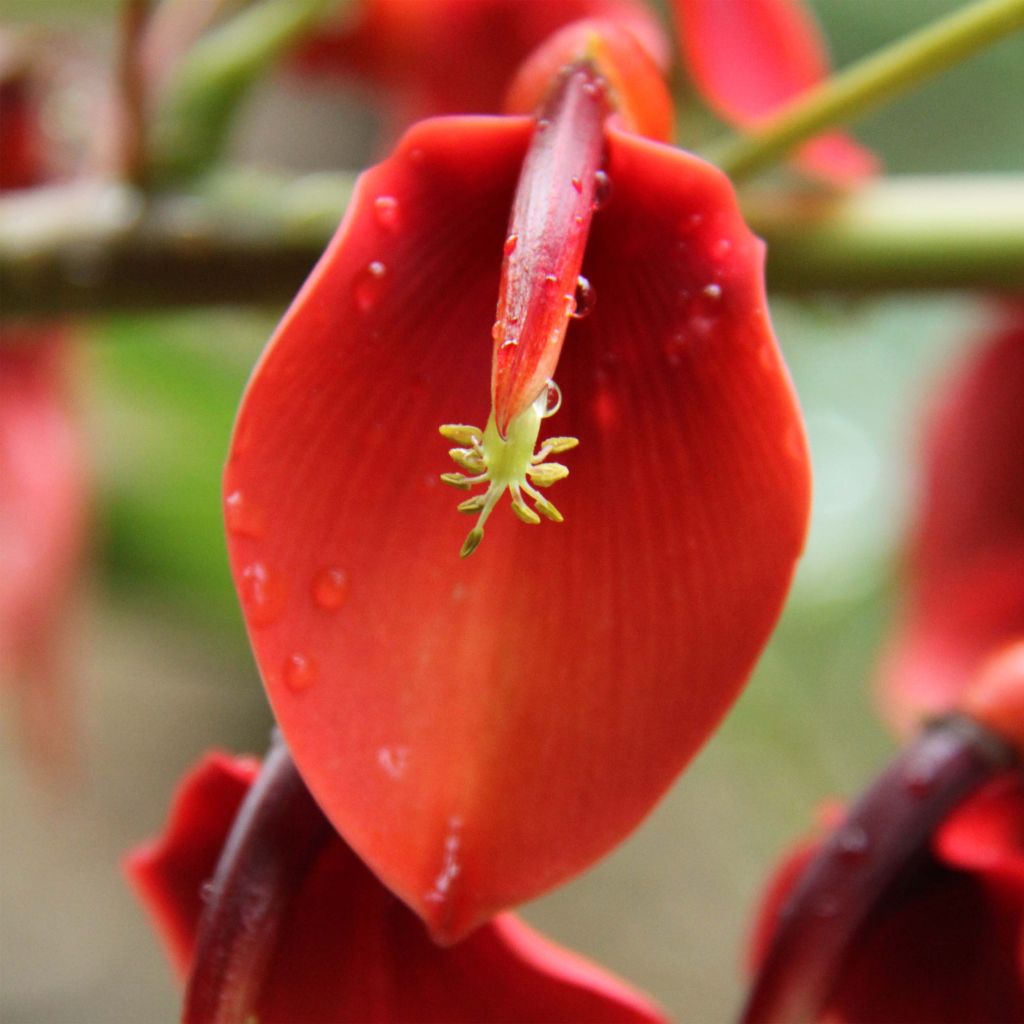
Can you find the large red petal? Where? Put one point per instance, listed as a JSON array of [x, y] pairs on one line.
[[480, 730], [349, 950], [966, 572], [750, 57]]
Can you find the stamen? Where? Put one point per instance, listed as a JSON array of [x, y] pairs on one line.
[[506, 464]]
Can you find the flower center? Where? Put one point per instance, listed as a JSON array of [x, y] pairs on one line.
[[509, 463], [559, 188]]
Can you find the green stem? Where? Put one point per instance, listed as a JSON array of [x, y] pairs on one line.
[[204, 92], [870, 82], [251, 239]]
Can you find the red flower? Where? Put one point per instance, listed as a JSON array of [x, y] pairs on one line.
[[966, 571], [947, 944], [481, 730], [453, 56], [747, 58], [42, 478], [350, 951]]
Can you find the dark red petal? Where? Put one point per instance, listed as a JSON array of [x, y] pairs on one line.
[[747, 58], [455, 56], [350, 951], [168, 873], [481, 730], [966, 572]]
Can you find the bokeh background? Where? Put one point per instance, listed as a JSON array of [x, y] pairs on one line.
[[162, 669]]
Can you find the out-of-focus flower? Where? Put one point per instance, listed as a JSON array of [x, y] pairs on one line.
[[480, 730], [349, 950], [42, 476], [434, 57], [946, 945], [912, 910], [965, 595], [748, 58]]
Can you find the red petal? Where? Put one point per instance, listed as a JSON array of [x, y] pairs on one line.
[[481, 730], [168, 873], [967, 567], [750, 57], [42, 528], [455, 56], [350, 951]]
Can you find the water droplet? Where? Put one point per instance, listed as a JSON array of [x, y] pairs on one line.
[[394, 760], [241, 518], [543, 125], [602, 190], [299, 672], [330, 589], [510, 244], [712, 291], [675, 349], [207, 891], [386, 212], [261, 594], [450, 866], [852, 843], [553, 398], [369, 284], [577, 184], [721, 248], [584, 299], [497, 330], [550, 279]]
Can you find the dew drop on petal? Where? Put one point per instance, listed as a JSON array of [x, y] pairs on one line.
[[675, 349], [393, 760], [712, 291], [510, 244], [261, 593], [330, 588], [585, 298], [207, 891], [386, 212], [242, 518], [721, 248], [577, 184], [368, 285], [553, 400], [602, 189], [299, 672]]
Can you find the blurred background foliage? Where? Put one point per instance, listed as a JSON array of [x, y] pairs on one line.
[[162, 665]]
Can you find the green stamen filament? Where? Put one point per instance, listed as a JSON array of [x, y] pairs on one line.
[[508, 463]]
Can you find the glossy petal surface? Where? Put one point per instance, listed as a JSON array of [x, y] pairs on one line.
[[480, 731], [350, 951], [750, 57], [966, 572]]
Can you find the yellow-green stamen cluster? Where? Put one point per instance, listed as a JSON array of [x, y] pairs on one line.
[[508, 463]]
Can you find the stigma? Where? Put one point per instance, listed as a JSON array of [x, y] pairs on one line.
[[512, 463]]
